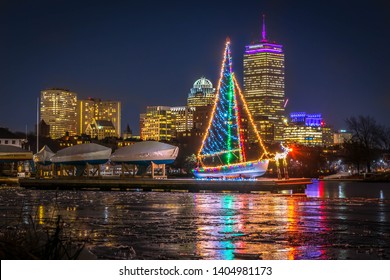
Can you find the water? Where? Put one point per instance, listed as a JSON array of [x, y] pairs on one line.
[[336, 220], [346, 189]]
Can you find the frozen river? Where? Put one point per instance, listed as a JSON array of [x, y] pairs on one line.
[[336, 220]]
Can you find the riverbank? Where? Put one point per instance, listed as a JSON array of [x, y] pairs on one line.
[[367, 177]]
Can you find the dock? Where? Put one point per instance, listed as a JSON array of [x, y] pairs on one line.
[[294, 185], [9, 181]]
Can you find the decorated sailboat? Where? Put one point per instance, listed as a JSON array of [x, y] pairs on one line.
[[222, 153]]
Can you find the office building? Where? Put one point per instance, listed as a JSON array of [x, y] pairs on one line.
[[301, 118], [100, 110], [201, 94], [157, 124], [58, 110], [308, 130], [183, 117], [264, 87]]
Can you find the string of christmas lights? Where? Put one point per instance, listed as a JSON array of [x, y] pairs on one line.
[[223, 135], [265, 152], [224, 138]]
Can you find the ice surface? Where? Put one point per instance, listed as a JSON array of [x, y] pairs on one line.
[[162, 225]]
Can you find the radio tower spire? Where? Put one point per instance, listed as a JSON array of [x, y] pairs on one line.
[[263, 32]]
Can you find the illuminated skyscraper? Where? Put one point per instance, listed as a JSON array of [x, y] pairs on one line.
[[183, 118], [100, 110], [157, 123], [202, 93], [58, 110], [164, 123], [264, 87]]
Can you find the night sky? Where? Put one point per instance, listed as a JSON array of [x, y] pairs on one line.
[[150, 53]]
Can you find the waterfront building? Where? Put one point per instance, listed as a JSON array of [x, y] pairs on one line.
[[128, 141], [58, 110], [101, 129], [201, 94], [72, 140], [264, 87], [11, 139], [341, 136], [96, 109], [302, 134], [308, 130], [301, 118], [157, 124]]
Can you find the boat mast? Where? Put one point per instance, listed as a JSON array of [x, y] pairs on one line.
[[230, 94], [37, 124], [242, 156]]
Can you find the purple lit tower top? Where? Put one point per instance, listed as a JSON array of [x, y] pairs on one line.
[[264, 45], [263, 32], [264, 87]]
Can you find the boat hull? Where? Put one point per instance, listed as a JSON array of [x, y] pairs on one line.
[[88, 157], [147, 162], [250, 169], [144, 153]]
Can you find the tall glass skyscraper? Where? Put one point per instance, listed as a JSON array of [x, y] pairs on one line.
[[264, 87], [58, 109]]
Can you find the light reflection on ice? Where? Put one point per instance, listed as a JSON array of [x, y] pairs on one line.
[[121, 225]]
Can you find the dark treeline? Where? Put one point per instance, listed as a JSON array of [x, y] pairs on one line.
[[369, 141], [369, 144]]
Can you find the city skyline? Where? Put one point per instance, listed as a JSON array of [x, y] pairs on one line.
[[146, 55]]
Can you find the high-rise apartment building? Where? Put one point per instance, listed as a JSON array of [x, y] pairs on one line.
[[58, 110], [157, 123], [264, 87], [201, 94], [99, 110]]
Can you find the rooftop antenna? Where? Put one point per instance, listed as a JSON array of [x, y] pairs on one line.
[[263, 32]]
